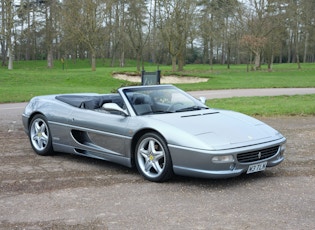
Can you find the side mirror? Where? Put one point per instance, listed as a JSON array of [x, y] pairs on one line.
[[203, 100], [114, 107]]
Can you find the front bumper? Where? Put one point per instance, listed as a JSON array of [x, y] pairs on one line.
[[198, 163], [25, 120]]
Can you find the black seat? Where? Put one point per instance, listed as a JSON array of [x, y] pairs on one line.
[[142, 104]]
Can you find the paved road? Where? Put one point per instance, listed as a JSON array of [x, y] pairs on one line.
[[210, 94]]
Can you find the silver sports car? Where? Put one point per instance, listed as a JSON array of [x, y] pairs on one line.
[[160, 129]]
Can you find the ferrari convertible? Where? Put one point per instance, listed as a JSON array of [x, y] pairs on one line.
[[159, 129]]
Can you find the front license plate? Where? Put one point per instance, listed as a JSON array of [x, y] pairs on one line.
[[257, 167]]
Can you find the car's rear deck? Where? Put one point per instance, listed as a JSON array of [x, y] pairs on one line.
[[90, 101]]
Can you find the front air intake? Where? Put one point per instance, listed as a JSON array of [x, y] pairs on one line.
[[257, 155]]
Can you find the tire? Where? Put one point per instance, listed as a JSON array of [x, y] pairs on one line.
[[153, 159], [40, 136]]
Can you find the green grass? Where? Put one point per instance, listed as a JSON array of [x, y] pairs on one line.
[[21, 85], [32, 78], [282, 76], [297, 105]]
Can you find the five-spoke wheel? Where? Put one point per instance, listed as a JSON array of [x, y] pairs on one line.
[[40, 136], [153, 160]]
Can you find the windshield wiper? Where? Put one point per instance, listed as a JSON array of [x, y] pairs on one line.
[[191, 108], [161, 112]]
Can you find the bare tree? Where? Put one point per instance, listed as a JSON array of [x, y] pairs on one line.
[[275, 12], [308, 28], [137, 28], [175, 19], [83, 20], [7, 47], [294, 13], [207, 29], [261, 23], [116, 24], [165, 31], [3, 33], [50, 9]]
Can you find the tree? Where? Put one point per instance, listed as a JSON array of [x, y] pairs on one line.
[[83, 21], [163, 31], [275, 12], [7, 47], [206, 29], [137, 29], [294, 11], [50, 7], [255, 45], [308, 26], [175, 19], [2, 34], [218, 27], [116, 24], [262, 23]]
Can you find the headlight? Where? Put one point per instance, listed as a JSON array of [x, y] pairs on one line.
[[282, 149], [223, 159]]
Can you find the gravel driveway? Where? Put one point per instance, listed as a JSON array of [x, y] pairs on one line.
[[71, 192]]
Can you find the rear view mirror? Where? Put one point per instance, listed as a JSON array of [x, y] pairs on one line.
[[114, 107], [203, 100]]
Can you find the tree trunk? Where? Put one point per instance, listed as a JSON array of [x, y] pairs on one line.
[[49, 36], [280, 57], [9, 34], [228, 55], [205, 55], [257, 61], [50, 63], [122, 59], [173, 63], [2, 41], [305, 47], [93, 60], [181, 62], [270, 62], [138, 61], [113, 57], [297, 54], [10, 53], [211, 54]]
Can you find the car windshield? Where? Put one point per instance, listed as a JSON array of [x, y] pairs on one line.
[[161, 99]]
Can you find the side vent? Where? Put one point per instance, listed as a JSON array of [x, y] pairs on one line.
[[81, 137]]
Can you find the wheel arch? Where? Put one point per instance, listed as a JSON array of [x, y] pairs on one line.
[[32, 116], [137, 136]]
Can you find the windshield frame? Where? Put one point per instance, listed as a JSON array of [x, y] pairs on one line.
[[159, 99]]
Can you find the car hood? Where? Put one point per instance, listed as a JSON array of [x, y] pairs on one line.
[[220, 129]]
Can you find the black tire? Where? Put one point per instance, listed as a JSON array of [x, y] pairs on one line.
[[153, 159], [40, 136]]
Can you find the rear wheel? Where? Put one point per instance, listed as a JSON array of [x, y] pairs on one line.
[[153, 159], [40, 136]]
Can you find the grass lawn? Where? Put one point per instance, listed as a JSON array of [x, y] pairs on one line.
[[32, 78], [297, 105]]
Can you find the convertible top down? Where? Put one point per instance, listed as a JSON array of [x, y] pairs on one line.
[[160, 129]]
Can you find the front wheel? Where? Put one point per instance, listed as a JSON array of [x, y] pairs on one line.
[[153, 159], [40, 136]]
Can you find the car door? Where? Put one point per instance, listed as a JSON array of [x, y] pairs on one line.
[[100, 132]]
